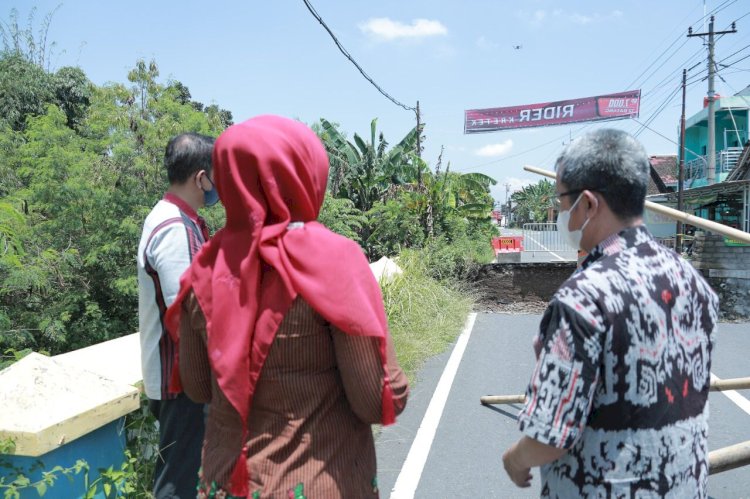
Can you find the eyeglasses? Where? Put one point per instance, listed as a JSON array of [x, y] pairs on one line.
[[574, 192], [207, 177], [560, 195]]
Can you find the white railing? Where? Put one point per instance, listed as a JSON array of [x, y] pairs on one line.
[[543, 237], [726, 160]]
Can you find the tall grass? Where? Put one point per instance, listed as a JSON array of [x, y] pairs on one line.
[[425, 315]]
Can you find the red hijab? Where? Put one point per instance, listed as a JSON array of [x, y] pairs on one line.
[[271, 171]]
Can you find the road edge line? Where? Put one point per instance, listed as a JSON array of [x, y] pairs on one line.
[[411, 471], [735, 397]]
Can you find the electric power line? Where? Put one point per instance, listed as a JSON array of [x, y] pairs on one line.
[[716, 10], [659, 109], [738, 60], [664, 136], [732, 55], [348, 56], [742, 16], [521, 153]]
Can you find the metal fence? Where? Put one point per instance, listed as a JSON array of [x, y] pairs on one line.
[[726, 160], [543, 237]]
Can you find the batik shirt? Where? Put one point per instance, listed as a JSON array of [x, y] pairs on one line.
[[622, 375]]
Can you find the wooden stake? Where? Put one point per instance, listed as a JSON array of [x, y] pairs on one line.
[[709, 225], [502, 399], [718, 385], [729, 458]]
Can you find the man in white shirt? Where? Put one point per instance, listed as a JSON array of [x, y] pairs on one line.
[[172, 235]]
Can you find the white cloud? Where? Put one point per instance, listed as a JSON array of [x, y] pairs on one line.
[[539, 17], [386, 29], [493, 150], [577, 18]]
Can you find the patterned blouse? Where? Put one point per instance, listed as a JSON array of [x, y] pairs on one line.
[[622, 375]]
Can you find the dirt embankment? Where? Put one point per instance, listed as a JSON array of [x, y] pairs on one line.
[[519, 287]]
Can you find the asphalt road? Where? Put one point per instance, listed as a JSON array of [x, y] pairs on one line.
[[462, 459]]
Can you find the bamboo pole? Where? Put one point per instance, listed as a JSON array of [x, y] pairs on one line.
[[729, 458], [502, 399], [720, 385], [709, 225], [717, 385]]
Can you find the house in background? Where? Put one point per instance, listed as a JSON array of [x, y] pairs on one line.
[[663, 174], [726, 201], [731, 135], [663, 180]]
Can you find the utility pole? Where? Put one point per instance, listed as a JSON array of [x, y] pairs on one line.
[[711, 153], [681, 174], [507, 204], [419, 133], [419, 146]]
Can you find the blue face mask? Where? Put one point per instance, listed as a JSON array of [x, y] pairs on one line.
[[210, 197]]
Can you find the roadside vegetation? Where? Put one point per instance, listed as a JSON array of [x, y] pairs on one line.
[[81, 166], [534, 202]]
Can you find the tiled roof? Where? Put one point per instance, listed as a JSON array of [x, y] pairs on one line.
[[663, 173]]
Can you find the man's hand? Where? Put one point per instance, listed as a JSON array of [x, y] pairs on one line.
[[525, 454], [520, 475]]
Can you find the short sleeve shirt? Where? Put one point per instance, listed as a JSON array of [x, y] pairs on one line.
[[622, 375]]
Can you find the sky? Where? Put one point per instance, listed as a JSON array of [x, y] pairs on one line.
[[259, 57]]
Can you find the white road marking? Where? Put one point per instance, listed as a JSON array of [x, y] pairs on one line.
[[545, 248], [411, 471], [735, 397]]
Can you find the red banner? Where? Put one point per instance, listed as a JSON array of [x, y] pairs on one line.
[[598, 108]]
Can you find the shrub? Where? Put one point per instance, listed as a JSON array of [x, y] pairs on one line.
[[424, 315], [455, 261]]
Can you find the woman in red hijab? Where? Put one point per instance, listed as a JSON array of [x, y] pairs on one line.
[[282, 329]]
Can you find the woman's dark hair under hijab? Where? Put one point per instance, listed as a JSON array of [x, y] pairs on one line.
[[612, 163], [186, 154]]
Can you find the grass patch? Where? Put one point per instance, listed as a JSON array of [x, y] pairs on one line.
[[425, 315]]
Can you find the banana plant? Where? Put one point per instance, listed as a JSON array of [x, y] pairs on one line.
[[365, 172]]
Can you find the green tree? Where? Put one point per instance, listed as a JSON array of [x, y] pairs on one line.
[[72, 93], [533, 202], [391, 228], [446, 193], [76, 192], [366, 172], [23, 43], [342, 217], [25, 90], [406, 204]]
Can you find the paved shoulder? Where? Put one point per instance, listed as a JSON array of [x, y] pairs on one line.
[[464, 457], [463, 460]]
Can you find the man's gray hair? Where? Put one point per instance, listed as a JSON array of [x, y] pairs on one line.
[[612, 163]]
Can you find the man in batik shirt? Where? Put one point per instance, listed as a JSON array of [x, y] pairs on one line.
[[617, 404]]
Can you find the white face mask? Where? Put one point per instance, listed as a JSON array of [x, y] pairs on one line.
[[573, 237]]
